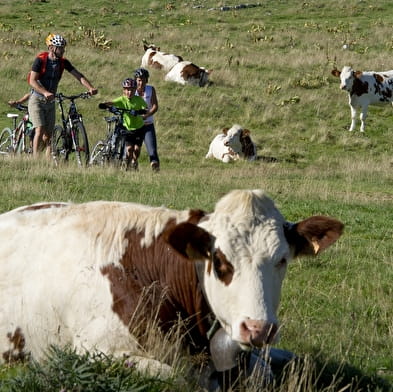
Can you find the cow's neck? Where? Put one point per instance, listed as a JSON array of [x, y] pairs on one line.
[[156, 281]]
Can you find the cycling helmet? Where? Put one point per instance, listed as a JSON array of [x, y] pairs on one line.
[[141, 73], [129, 83], [55, 40]]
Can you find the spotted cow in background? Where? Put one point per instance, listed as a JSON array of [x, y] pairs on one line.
[[154, 58], [232, 144], [185, 72], [84, 274], [364, 89]]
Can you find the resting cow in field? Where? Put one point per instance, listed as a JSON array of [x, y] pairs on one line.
[[154, 58], [185, 72], [232, 144], [107, 265], [364, 89]]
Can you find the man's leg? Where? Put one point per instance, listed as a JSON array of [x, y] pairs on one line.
[[38, 140], [151, 146]]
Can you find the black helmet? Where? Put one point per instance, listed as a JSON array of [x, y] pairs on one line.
[[141, 73], [129, 83]]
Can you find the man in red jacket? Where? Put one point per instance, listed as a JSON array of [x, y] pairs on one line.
[[44, 78]]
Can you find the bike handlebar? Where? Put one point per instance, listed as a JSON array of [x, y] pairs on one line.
[[121, 111], [22, 108], [62, 97]]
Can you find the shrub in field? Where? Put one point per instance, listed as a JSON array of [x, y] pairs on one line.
[[64, 370]]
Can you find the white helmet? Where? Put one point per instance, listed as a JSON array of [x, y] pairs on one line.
[[55, 40]]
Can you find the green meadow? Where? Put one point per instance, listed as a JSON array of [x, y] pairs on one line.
[[271, 73]]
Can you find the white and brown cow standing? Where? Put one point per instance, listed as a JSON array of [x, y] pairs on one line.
[[364, 89], [76, 273], [154, 58], [232, 144]]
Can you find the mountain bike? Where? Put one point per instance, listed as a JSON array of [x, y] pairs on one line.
[[112, 149], [18, 139], [71, 136]]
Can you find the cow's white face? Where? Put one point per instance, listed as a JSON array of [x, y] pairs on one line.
[[347, 77], [243, 283], [232, 138]]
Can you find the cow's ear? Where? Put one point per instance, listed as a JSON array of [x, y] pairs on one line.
[[313, 235], [225, 130], [145, 47], [336, 73], [246, 132], [189, 240]]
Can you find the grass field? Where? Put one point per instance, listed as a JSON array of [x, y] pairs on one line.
[[271, 73]]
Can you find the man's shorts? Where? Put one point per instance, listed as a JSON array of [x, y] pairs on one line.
[[42, 113]]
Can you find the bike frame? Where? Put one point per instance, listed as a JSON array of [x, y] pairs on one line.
[[18, 130], [70, 120], [104, 148], [73, 116]]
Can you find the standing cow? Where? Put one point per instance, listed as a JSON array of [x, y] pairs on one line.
[[84, 284], [364, 89]]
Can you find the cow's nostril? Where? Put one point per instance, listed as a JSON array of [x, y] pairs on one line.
[[257, 333]]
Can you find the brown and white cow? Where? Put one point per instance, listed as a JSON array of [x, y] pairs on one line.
[[185, 72], [154, 58], [77, 273], [364, 89], [232, 144]]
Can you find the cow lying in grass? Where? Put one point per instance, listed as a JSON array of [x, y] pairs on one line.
[[232, 144], [365, 88], [107, 267], [154, 58], [185, 72], [177, 70]]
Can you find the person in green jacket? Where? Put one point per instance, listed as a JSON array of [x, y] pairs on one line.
[[133, 121]]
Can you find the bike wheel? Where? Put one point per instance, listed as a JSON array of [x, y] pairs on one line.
[[119, 152], [6, 142], [82, 151], [99, 155], [59, 145]]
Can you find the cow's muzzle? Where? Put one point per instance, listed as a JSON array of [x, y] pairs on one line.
[[258, 333]]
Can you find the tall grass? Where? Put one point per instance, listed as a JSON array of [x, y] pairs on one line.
[[271, 73]]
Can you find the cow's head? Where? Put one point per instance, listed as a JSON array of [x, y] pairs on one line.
[[347, 77], [204, 76], [233, 138], [246, 245], [151, 47]]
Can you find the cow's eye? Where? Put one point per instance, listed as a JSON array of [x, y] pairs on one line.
[[282, 263], [222, 267]]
